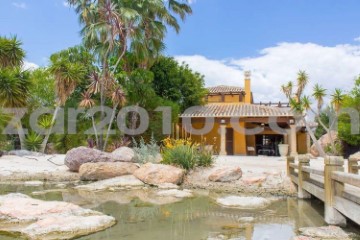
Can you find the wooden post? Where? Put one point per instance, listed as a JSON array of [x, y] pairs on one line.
[[290, 170], [353, 165], [177, 130], [333, 188], [304, 160], [249, 231]]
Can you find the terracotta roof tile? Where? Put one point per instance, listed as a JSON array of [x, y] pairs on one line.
[[236, 110], [225, 89]]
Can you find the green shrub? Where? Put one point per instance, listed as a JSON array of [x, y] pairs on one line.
[[146, 152], [33, 141], [204, 158], [183, 155]]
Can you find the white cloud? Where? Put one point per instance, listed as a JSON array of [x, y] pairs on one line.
[[357, 39], [332, 67], [66, 4], [21, 5], [30, 66]]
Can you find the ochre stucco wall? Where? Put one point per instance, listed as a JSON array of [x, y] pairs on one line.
[[301, 142], [228, 98], [241, 141]]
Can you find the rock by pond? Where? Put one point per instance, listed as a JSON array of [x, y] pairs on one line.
[[105, 170], [127, 181], [123, 154], [35, 219], [33, 183], [244, 202], [156, 174], [320, 233], [167, 186], [226, 174], [78, 156], [175, 193]]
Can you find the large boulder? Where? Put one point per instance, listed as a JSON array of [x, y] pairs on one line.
[[78, 156], [324, 141], [156, 174], [226, 174], [105, 170], [36, 219], [123, 154]]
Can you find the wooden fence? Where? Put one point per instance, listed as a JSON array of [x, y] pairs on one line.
[[340, 191]]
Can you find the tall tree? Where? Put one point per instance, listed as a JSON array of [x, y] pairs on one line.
[[178, 83], [68, 72], [14, 82], [14, 93], [345, 126], [112, 27], [301, 104], [11, 53]]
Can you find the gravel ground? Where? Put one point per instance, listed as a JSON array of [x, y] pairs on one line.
[[261, 176]]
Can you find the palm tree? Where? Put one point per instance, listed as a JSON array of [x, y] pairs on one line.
[[11, 53], [301, 104], [287, 89], [67, 76], [156, 16], [112, 27], [337, 99], [302, 81], [88, 102], [319, 93], [118, 99], [14, 92]]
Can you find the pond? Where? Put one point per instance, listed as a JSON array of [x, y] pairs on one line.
[[194, 218]]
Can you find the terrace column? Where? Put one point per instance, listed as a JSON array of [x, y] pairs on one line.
[[293, 140], [222, 138]]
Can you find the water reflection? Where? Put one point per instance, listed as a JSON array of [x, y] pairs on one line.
[[141, 216]]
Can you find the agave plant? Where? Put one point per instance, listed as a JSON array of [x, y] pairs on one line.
[[33, 141], [45, 121]]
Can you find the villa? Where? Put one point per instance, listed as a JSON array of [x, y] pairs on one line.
[[231, 109]]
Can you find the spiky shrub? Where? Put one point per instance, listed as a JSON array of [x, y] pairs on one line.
[[66, 142], [204, 158], [146, 152], [184, 156], [33, 141]]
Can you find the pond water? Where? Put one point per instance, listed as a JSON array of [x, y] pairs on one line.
[[190, 219]]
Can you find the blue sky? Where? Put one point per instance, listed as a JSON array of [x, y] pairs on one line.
[[217, 29], [273, 38]]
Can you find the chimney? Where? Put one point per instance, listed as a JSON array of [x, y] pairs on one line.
[[248, 87]]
